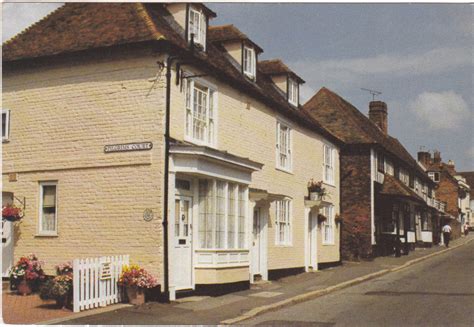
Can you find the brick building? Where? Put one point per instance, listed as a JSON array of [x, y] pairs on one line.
[[139, 129], [386, 197], [451, 187]]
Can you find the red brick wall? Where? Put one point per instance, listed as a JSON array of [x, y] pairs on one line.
[[355, 203], [447, 191]]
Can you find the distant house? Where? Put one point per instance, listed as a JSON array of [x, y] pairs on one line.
[[451, 187], [386, 197], [469, 176], [139, 129]]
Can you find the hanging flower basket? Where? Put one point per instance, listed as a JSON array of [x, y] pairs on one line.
[[11, 213], [338, 219], [321, 218]]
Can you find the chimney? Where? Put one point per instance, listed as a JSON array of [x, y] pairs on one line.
[[378, 115], [424, 157], [450, 167], [437, 157]]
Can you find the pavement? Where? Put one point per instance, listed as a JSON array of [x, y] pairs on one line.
[[435, 292], [238, 307]]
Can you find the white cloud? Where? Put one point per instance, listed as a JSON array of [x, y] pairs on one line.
[[360, 71], [444, 110]]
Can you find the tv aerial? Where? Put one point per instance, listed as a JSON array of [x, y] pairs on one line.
[[373, 92]]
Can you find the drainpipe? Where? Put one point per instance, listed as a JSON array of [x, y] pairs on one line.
[[169, 62]]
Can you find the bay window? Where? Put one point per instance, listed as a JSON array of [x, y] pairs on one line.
[[222, 215], [328, 224], [283, 145], [200, 111], [283, 223]]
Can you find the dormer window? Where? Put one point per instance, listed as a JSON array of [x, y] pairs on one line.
[[197, 25], [249, 62], [293, 92]]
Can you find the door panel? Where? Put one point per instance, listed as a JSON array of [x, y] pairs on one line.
[[183, 249]]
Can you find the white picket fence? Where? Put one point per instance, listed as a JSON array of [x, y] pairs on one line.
[[95, 281]]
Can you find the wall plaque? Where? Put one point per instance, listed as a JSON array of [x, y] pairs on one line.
[[148, 215], [128, 147]]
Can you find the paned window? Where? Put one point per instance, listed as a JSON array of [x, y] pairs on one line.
[[283, 147], [197, 26], [328, 164], [328, 224], [249, 62], [293, 92], [380, 163], [5, 124], [283, 222], [222, 215], [434, 176], [200, 111], [48, 209]]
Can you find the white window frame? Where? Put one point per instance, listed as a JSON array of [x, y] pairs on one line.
[[287, 221], [6, 132], [328, 164], [288, 151], [190, 112], [42, 232], [293, 94], [200, 30], [327, 228], [432, 175], [237, 188], [249, 62]]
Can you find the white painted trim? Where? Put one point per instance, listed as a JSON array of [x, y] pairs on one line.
[[7, 125], [40, 210], [373, 171]]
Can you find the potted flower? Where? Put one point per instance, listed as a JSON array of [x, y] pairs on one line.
[[316, 190], [321, 218], [60, 287], [11, 213], [136, 279], [26, 274]]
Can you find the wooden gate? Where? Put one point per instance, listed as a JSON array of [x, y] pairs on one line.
[[95, 281]]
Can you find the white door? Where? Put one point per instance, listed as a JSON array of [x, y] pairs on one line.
[[7, 247], [312, 239], [183, 249], [257, 242]]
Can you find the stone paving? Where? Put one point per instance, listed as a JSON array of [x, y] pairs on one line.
[[28, 309]]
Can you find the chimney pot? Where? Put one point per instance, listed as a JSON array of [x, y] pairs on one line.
[[437, 157], [424, 157], [378, 114]]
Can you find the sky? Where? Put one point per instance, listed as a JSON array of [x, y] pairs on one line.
[[420, 56]]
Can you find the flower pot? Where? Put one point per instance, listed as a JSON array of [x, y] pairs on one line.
[[313, 196], [136, 295], [24, 288], [63, 301]]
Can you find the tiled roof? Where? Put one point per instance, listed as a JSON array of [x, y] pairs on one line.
[[229, 33], [347, 123], [277, 67], [393, 187], [83, 26], [80, 26]]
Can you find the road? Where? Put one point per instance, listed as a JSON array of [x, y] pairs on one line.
[[438, 291]]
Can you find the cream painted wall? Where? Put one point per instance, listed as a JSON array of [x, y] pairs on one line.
[[235, 50], [247, 128], [61, 119]]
